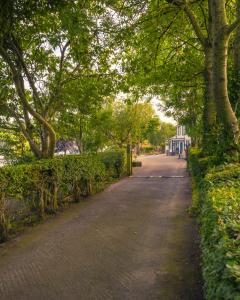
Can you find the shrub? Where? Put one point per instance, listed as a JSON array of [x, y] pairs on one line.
[[218, 187], [42, 186], [136, 163], [225, 174], [148, 150], [199, 165], [220, 242], [115, 162]]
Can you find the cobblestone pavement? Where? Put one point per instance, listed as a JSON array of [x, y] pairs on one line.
[[134, 240]]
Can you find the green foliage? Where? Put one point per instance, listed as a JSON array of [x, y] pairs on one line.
[[220, 232], [216, 195], [233, 89], [159, 135], [62, 51], [148, 150], [199, 165], [126, 121], [12, 145], [115, 162], [42, 186]]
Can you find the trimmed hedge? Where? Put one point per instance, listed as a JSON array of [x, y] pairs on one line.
[[148, 150], [219, 190], [115, 162], [32, 190]]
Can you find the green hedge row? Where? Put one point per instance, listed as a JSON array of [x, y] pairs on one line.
[[115, 162], [148, 150], [219, 190], [32, 190]]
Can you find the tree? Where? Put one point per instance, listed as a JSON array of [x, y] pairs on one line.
[[164, 132], [84, 98], [165, 29], [221, 35], [126, 122], [43, 46]]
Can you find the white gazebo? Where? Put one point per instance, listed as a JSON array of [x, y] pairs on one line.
[[178, 143]]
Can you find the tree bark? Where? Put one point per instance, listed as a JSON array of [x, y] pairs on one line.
[[225, 113], [79, 138], [209, 108]]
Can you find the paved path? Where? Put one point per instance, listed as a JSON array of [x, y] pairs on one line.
[[133, 241]]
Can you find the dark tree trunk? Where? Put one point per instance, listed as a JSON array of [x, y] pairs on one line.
[[79, 138], [209, 108], [225, 113]]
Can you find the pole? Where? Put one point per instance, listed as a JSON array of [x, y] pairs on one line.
[[129, 160]]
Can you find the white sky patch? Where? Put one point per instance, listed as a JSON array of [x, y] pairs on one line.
[[155, 103]]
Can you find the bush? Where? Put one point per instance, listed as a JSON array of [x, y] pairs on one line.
[[224, 174], [115, 162], [40, 187], [219, 190], [136, 163], [199, 165], [220, 240], [148, 150]]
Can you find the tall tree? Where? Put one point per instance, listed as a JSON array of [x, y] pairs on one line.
[[221, 34], [43, 46], [205, 39]]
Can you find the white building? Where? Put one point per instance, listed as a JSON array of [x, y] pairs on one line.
[[178, 143]]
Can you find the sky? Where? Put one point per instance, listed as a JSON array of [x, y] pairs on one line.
[[155, 103]]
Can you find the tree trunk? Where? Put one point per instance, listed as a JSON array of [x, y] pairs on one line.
[[225, 114], [209, 111], [209, 108], [79, 138], [235, 100], [129, 159], [3, 219]]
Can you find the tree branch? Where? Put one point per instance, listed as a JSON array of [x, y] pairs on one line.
[[192, 19], [233, 26], [195, 25], [22, 96]]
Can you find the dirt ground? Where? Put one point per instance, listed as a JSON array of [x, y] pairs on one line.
[[135, 240]]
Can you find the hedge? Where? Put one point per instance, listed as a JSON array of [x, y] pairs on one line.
[[115, 162], [29, 191], [148, 150], [219, 190]]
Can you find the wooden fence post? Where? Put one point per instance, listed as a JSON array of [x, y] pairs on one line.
[[129, 160]]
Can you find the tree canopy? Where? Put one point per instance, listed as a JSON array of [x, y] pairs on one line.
[[63, 65]]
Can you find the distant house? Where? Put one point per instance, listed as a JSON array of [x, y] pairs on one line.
[[66, 147], [178, 143]]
